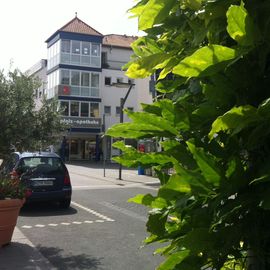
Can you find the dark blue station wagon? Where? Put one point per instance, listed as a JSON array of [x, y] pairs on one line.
[[44, 174]]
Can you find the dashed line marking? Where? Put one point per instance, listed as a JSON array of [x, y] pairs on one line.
[[65, 223], [91, 211], [27, 227], [88, 221], [39, 225], [102, 218]]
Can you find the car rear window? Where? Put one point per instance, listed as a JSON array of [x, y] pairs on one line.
[[50, 163]]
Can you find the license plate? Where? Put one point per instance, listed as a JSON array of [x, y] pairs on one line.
[[37, 182], [42, 183]]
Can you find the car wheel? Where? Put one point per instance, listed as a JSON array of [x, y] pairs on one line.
[[65, 203]]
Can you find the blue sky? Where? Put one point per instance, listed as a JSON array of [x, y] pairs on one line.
[[26, 24]]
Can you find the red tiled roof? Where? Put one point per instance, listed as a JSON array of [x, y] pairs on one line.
[[78, 26], [118, 40]]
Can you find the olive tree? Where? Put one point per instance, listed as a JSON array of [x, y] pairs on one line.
[[211, 118], [22, 126]]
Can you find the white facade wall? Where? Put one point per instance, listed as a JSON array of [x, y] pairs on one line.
[[39, 71], [111, 95]]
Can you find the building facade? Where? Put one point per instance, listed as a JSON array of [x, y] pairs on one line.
[[81, 67]]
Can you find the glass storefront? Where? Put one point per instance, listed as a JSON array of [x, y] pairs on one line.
[[83, 149]]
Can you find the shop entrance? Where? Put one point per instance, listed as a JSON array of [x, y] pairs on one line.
[[83, 149], [79, 148]]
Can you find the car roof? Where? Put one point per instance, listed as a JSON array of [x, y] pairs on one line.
[[36, 154]]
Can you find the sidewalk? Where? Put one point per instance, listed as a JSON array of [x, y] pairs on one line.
[[22, 254], [109, 172]]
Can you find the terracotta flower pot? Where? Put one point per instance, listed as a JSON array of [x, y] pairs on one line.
[[9, 211]]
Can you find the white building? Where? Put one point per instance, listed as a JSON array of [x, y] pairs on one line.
[[81, 67]]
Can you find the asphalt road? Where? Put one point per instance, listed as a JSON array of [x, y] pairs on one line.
[[101, 230]]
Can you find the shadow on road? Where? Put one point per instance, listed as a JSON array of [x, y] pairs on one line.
[[70, 261], [45, 209]]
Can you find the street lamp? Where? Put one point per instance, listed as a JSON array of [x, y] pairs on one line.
[[122, 104]]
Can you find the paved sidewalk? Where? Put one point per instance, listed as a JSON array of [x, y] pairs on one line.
[[99, 174], [22, 254]]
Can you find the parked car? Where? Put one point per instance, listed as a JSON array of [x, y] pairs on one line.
[[44, 174]]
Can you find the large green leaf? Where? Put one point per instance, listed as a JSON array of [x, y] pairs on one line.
[[173, 260], [153, 120], [202, 59], [136, 130], [156, 222], [207, 164], [240, 27], [149, 200], [144, 67], [235, 120], [145, 199], [198, 240], [155, 12], [177, 183]]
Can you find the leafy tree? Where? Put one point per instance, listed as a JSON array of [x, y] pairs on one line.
[[212, 120], [22, 126]]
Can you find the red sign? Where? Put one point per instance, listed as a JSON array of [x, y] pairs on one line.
[[66, 90]]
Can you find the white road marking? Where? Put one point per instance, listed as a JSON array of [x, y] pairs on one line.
[[65, 223], [88, 221], [124, 211], [90, 210], [102, 219], [26, 227]]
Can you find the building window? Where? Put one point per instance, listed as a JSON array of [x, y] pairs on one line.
[[74, 108], [85, 48], [95, 50], [74, 147], [119, 80], [84, 109], [82, 83], [79, 109], [104, 60], [75, 78], [76, 47], [94, 80], [85, 79], [108, 80], [65, 46], [94, 110], [65, 77], [79, 53], [64, 105], [117, 110], [107, 110]]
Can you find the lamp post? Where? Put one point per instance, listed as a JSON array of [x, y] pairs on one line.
[[122, 104]]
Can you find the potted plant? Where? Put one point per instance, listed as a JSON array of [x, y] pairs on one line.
[[12, 198]]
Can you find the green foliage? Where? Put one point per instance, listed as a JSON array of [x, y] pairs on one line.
[[22, 126], [212, 121], [12, 189]]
